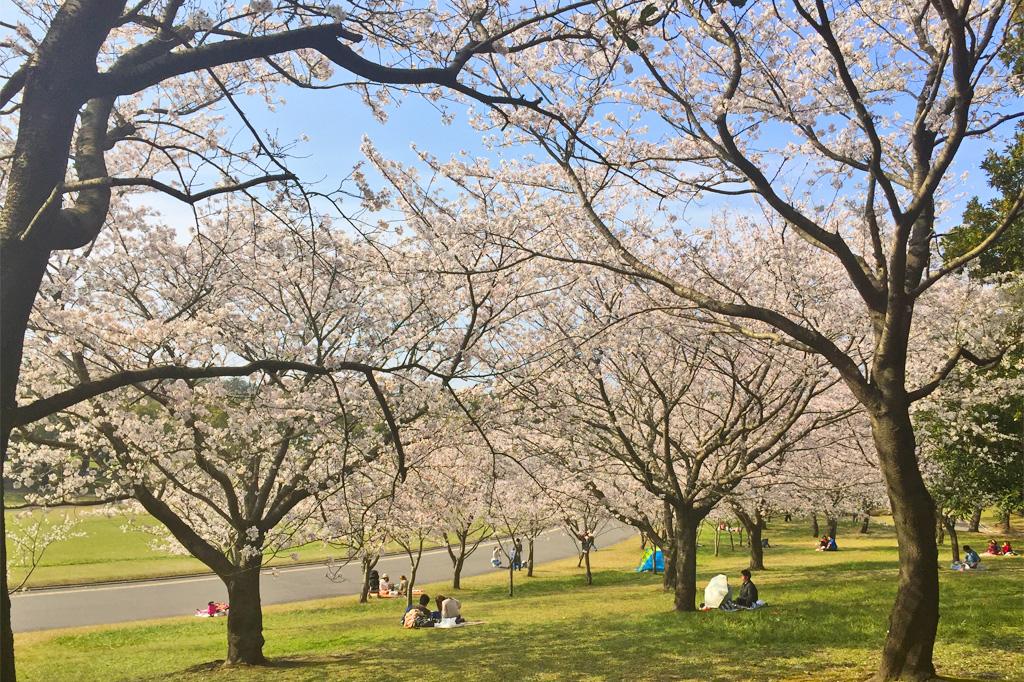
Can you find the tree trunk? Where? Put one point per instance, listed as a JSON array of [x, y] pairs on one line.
[[954, 541], [586, 560], [864, 523], [511, 580], [686, 523], [529, 568], [787, 517], [1004, 522], [671, 557], [914, 619], [833, 526], [756, 550], [245, 617], [753, 525], [815, 531], [364, 591], [975, 522], [940, 532], [718, 538], [457, 574]]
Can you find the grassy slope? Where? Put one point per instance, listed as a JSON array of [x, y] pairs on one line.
[[826, 622], [105, 552]]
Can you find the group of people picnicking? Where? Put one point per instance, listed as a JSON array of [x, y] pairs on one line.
[[381, 585], [972, 560], [419, 614], [827, 544], [995, 549], [514, 554]]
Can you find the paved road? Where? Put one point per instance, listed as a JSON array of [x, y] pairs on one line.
[[75, 606]]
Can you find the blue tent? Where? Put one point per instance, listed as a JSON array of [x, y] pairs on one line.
[[653, 560]]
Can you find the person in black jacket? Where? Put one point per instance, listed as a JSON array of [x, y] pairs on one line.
[[748, 591]]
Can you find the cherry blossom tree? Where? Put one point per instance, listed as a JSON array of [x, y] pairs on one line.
[[687, 415], [839, 127], [103, 98], [236, 470]]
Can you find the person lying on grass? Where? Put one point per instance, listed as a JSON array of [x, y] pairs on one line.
[[748, 591]]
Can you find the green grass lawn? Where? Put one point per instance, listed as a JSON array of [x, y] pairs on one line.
[[826, 621], [106, 552]]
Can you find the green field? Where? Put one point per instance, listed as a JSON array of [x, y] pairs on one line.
[[826, 621], [106, 552]]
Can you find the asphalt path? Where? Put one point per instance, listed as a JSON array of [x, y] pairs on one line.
[[44, 609]]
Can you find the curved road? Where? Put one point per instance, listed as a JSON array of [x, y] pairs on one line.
[[43, 609]]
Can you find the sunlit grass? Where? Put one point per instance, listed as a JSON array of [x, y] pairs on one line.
[[826, 621]]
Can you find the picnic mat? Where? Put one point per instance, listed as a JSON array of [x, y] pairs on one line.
[[465, 624]]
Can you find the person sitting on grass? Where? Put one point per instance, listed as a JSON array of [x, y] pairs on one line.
[[403, 585], [385, 584], [1008, 550], [748, 591], [971, 558], [831, 546], [418, 615], [823, 543], [496, 557], [449, 608], [993, 548]]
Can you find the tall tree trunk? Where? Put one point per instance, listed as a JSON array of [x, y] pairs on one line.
[[686, 523], [914, 619], [756, 549], [833, 526], [975, 522], [815, 530], [364, 591], [21, 271], [457, 574], [586, 560], [954, 542], [1004, 522], [511, 579], [670, 555], [753, 526], [529, 568], [940, 532], [864, 523], [245, 617]]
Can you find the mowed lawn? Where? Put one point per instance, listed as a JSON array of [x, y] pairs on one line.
[[111, 545], [826, 621]]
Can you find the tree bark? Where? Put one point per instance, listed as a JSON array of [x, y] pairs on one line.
[[457, 574], [753, 526], [815, 530], [975, 521], [245, 617], [686, 523], [586, 561], [864, 523], [833, 526], [1004, 522], [940, 532], [511, 579], [529, 568], [364, 591], [954, 542], [671, 557], [914, 619]]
